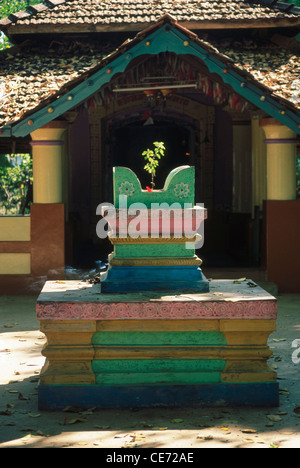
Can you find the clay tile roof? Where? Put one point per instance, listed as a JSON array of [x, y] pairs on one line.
[[128, 14], [274, 64], [34, 75]]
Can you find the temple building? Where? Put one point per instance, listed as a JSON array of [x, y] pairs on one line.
[[90, 85]]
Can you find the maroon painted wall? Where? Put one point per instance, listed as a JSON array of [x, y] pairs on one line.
[[282, 244]]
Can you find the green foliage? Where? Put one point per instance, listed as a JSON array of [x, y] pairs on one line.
[[15, 183], [12, 6], [152, 157]]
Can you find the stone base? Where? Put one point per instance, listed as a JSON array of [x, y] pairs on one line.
[[156, 349]]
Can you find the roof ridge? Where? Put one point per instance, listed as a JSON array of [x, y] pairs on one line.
[[32, 10], [285, 7]]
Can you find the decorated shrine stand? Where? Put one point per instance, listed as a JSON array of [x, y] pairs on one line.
[[155, 331]]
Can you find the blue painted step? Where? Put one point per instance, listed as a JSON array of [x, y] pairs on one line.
[[153, 278], [55, 397]]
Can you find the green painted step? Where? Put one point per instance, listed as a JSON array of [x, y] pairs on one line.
[[153, 250], [158, 378], [209, 338], [113, 366]]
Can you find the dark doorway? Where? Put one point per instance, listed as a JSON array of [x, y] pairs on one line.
[[128, 143]]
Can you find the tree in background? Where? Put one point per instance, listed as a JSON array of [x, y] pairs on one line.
[[15, 170], [11, 6], [15, 183]]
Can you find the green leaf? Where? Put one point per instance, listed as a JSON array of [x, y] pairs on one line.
[[153, 158]]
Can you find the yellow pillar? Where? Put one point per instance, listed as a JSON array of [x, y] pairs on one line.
[[47, 144], [281, 160]]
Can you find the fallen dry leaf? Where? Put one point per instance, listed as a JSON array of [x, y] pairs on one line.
[[251, 285], [274, 417], [6, 412], [129, 446], [27, 437], [239, 281], [72, 409], [76, 420], [145, 424], [284, 391], [137, 437], [120, 436], [88, 411]]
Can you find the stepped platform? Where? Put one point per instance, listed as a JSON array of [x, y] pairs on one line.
[[156, 348]]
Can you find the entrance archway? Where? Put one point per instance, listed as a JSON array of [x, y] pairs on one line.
[[196, 123], [128, 140]]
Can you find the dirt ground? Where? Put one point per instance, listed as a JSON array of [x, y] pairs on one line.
[[22, 425]]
